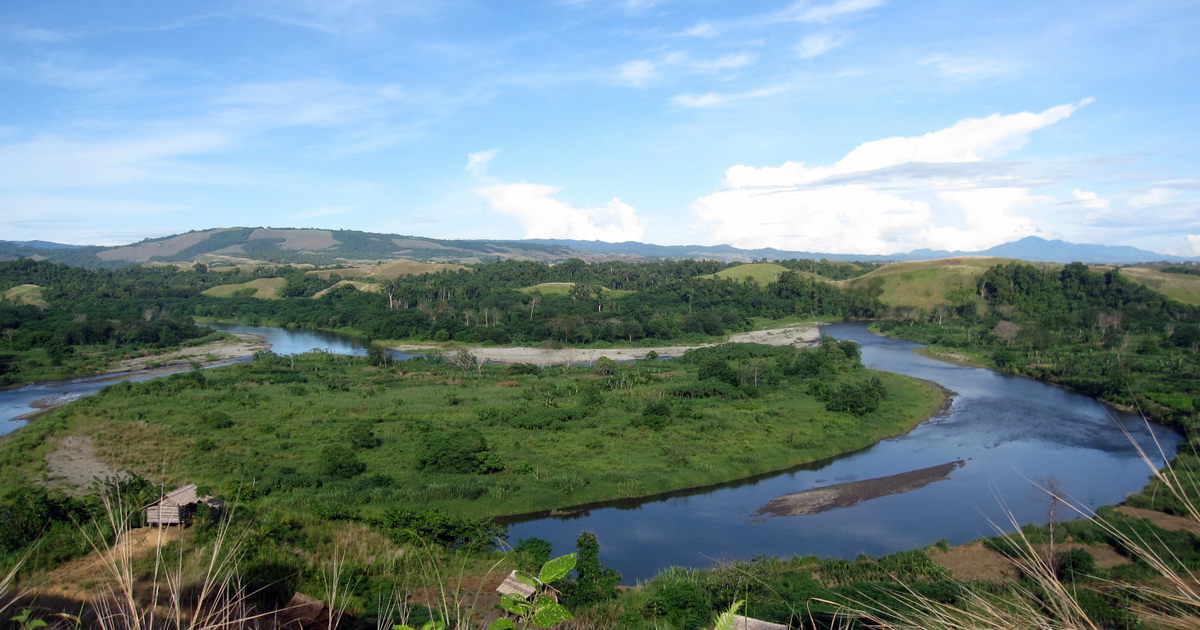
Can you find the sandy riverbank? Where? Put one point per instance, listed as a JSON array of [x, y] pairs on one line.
[[800, 336], [206, 355]]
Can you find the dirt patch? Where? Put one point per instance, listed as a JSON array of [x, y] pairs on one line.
[[207, 354], [361, 286], [79, 579], [793, 336], [393, 269], [973, 561], [74, 465], [298, 239], [1168, 522], [843, 495], [166, 247]]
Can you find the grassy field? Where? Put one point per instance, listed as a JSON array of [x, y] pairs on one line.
[[1177, 286], [26, 294], [361, 286], [263, 288], [564, 288], [261, 429], [926, 283], [388, 270], [762, 273]]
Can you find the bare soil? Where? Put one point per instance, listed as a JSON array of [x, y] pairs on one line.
[[82, 578], [74, 465], [792, 336], [973, 561], [1168, 522], [207, 354]]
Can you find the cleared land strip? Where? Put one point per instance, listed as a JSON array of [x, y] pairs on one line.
[[791, 336]]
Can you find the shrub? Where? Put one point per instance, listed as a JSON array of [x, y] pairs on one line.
[[362, 436], [1075, 564], [681, 602], [339, 461], [438, 527], [461, 452]]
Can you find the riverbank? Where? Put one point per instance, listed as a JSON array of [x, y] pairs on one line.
[[799, 336]]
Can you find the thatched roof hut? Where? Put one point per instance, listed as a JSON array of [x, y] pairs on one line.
[[747, 623], [511, 585], [177, 506]]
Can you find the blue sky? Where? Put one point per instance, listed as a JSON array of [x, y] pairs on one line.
[[848, 126]]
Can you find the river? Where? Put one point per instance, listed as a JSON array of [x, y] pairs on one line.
[[1008, 432]]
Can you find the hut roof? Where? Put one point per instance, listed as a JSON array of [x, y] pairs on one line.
[[512, 585], [747, 623], [185, 495]]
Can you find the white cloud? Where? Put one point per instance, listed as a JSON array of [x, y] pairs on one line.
[[51, 162], [969, 68], [1193, 245], [638, 72], [806, 11], [727, 62], [713, 99], [1152, 197], [1089, 199], [703, 29], [477, 163], [543, 216], [818, 44], [878, 199]]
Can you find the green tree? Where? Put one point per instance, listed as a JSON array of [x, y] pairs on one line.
[[594, 582]]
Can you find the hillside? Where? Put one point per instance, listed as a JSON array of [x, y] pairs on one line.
[[762, 273], [220, 247], [387, 271], [263, 288], [925, 284], [1177, 286], [26, 294]]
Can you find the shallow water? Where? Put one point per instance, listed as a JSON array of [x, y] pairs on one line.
[[1009, 431]]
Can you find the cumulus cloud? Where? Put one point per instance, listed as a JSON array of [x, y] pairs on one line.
[[875, 200], [1193, 245], [544, 216], [1089, 199]]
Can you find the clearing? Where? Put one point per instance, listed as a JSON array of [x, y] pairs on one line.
[[297, 239], [564, 288], [367, 287], [1177, 286], [927, 283], [30, 294], [166, 247], [388, 270], [73, 466], [264, 288], [762, 273]]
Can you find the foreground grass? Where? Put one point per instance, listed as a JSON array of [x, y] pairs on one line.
[[564, 436]]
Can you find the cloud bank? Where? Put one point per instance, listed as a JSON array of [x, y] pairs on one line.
[[543, 216], [890, 195]]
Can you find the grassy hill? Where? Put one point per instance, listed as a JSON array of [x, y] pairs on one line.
[[927, 283], [564, 288], [361, 286], [1177, 286], [26, 294], [263, 288], [762, 273], [388, 271]]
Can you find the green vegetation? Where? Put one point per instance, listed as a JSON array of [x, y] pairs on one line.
[[568, 288], [1179, 286], [760, 273], [263, 289], [336, 435], [26, 294]]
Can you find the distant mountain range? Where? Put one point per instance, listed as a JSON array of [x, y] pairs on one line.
[[248, 245]]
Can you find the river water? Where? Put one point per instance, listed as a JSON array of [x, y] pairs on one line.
[[1009, 432]]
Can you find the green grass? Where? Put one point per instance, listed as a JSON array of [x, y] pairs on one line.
[[1177, 286], [762, 273], [283, 418], [263, 288], [26, 294], [564, 288]]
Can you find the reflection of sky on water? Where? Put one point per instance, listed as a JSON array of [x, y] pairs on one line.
[[1010, 431]]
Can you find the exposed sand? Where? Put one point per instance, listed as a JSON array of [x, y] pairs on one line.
[[842, 495], [73, 466], [791, 336], [208, 354]]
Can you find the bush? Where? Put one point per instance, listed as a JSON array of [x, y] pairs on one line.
[[362, 436], [340, 462], [460, 452], [680, 602], [438, 527], [1075, 565], [532, 552]]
